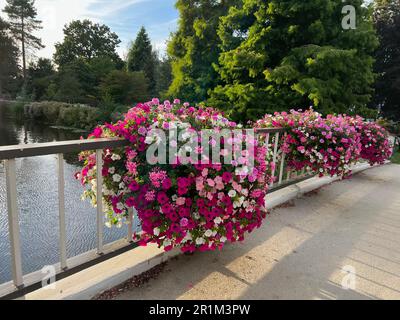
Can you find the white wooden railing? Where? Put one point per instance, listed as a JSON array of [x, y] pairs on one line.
[[9, 154]]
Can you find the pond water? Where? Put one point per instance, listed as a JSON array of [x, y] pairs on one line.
[[38, 201]]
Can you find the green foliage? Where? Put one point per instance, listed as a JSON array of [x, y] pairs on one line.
[[387, 88], [396, 157], [85, 40], [9, 69], [22, 18], [40, 75], [163, 77], [124, 87], [194, 48], [64, 114], [142, 58], [279, 55]]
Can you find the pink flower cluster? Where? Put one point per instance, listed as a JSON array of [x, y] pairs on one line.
[[330, 145], [194, 206]]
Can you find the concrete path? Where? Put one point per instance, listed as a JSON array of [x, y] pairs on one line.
[[303, 250]]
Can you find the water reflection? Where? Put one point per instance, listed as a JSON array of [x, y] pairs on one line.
[[38, 201]]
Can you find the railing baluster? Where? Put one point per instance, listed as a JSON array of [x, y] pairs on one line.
[[281, 169], [61, 211], [275, 156], [130, 225], [13, 222], [100, 213]]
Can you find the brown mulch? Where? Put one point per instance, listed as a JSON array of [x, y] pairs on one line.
[[135, 282]]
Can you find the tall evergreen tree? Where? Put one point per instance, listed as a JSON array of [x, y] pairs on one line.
[[387, 88], [142, 58], [163, 77], [279, 55], [23, 23], [9, 69], [194, 48]]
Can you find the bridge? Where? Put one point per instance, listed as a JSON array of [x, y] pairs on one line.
[[301, 251]]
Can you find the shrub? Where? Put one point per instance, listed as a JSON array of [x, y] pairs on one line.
[[65, 114]]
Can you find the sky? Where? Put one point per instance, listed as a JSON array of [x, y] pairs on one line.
[[124, 17]]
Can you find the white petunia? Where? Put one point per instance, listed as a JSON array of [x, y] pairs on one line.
[[217, 220], [208, 233], [149, 140], [111, 170], [232, 193], [156, 231], [117, 178], [200, 241], [223, 239], [115, 157]]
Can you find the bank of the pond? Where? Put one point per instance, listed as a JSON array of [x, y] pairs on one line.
[[65, 115]]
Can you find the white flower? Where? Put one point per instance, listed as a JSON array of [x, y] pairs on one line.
[[232, 193], [120, 206], [122, 186], [223, 239], [208, 233], [217, 220], [111, 170], [187, 238], [115, 157], [117, 178], [149, 140], [200, 241], [156, 231], [167, 242]]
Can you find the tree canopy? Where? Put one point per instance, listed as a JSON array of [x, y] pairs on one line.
[[142, 58], [87, 40], [22, 19], [277, 55], [9, 69], [194, 48], [387, 88]]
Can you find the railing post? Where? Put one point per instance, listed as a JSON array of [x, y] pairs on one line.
[[13, 223], [99, 197], [275, 156], [61, 211], [281, 168], [130, 225]]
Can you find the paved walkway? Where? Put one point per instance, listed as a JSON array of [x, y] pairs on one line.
[[302, 249]]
